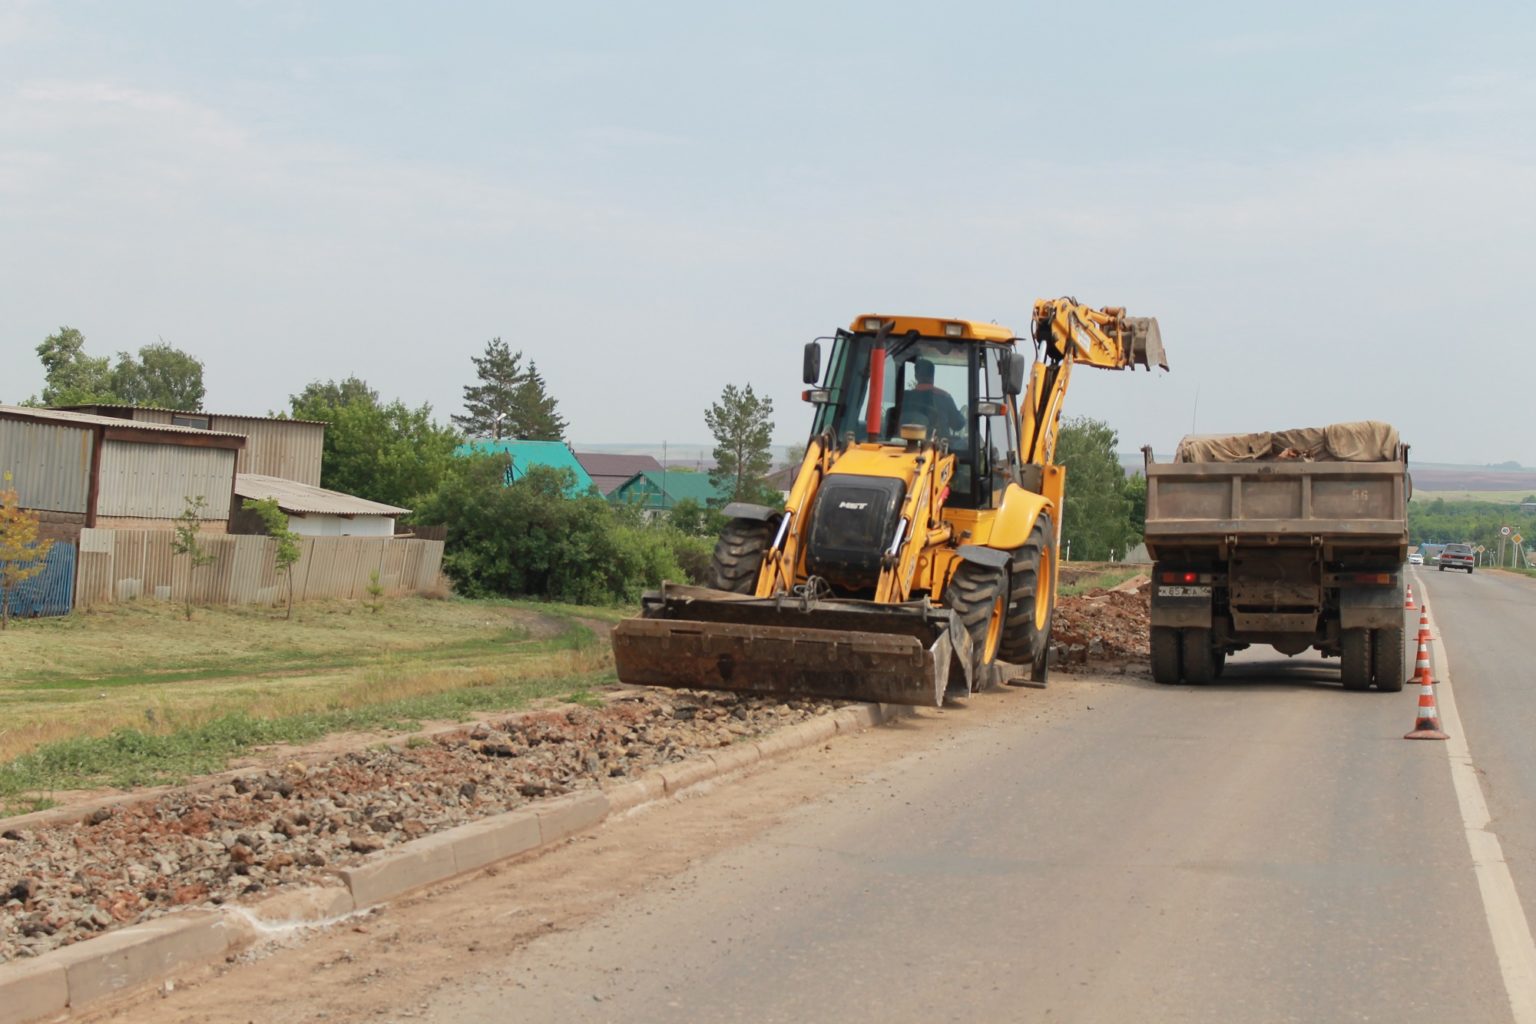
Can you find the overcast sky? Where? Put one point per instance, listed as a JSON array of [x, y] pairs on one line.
[[1330, 207]]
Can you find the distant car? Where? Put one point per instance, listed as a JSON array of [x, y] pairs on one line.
[[1415, 559], [1457, 556]]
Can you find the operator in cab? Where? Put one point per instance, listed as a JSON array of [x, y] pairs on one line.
[[930, 405]]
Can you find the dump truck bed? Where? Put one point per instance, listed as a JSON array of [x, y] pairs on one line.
[[1283, 503]]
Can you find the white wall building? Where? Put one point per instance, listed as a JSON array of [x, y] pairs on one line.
[[315, 511]]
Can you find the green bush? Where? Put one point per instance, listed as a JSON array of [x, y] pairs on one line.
[[531, 539]]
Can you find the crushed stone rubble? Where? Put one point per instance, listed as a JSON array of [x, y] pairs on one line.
[[291, 824], [1102, 625]]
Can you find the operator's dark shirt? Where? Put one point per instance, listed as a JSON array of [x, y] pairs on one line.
[[934, 406]]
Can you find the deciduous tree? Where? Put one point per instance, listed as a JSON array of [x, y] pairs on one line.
[[385, 452], [22, 554], [186, 542], [1097, 517], [743, 427], [275, 521], [70, 377], [161, 376]]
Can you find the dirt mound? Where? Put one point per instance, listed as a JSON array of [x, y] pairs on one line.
[[1103, 625]]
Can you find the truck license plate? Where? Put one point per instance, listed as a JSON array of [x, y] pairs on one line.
[[1185, 591]]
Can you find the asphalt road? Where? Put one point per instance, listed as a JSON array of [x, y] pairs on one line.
[[1266, 849]]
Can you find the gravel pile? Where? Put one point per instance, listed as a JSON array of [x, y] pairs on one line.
[[62, 884]]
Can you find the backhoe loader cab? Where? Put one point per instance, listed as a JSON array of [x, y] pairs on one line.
[[917, 547]]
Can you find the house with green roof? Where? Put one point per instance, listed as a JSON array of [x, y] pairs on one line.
[[527, 454], [658, 490]]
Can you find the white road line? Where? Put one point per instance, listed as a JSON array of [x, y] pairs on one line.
[[1501, 903]]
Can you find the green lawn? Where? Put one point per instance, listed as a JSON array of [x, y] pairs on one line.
[[135, 694]]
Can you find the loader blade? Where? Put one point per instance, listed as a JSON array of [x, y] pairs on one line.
[[691, 638]]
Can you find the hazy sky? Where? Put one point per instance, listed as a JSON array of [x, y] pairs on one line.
[[1330, 207]]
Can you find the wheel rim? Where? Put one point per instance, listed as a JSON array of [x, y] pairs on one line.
[[994, 629], [1045, 586]]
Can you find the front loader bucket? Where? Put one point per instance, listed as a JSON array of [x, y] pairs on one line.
[[698, 639], [1146, 342]]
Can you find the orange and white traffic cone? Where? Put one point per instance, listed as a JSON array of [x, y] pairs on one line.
[[1424, 637], [1409, 602], [1427, 725], [1422, 673]]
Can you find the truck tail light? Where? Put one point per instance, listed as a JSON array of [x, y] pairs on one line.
[[1183, 577]]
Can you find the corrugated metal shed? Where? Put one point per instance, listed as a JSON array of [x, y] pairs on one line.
[[287, 449], [93, 420], [153, 481], [49, 463], [295, 497]]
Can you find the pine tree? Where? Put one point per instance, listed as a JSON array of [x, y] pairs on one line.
[[533, 410], [743, 427], [489, 406]]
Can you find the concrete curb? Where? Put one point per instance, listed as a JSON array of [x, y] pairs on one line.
[[144, 954]]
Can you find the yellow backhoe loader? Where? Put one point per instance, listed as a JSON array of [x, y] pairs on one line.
[[917, 547]]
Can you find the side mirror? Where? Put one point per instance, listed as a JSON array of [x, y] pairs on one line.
[[1013, 373], [812, 372]]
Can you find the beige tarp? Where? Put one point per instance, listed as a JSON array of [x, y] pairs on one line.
[[1362, 441]]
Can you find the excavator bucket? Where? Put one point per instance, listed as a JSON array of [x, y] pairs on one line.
[[699, 639], [1146, 342]]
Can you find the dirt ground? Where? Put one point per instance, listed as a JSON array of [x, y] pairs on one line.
[[381, 966]]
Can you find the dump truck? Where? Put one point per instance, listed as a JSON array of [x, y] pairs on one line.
[[1295, 539], [916, 552]]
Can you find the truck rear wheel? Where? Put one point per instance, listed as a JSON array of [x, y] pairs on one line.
[[1167, 665], [978, 596], [1355, 658], [1199, 657], [1387, 659], [1032, 600], [738, 556]]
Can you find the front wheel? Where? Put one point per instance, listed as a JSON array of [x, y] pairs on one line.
[[739, 553], [1032, 600], [978, 597]]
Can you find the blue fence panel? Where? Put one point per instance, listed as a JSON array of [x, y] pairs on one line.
[[51, 591]]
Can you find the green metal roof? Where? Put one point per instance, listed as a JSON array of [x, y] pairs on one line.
[[533, 453], [655, 489]]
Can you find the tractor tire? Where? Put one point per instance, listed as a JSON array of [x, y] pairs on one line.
[[978, 596], [1199, 657], [1219, 659], [738, 556], [1032, 601], [1387, 659], [1355, 658], [1167, 662]]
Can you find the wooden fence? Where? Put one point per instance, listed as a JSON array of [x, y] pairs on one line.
[[120, 565]]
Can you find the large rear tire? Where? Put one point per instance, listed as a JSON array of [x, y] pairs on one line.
[[1167, 663], [1387, 659], [1199, 657], [1355, 658], [1032, 601], [978, 596], [738, 557]]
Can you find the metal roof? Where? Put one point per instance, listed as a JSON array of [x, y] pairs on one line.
[[293, 496], [85, 419], [193, 412]]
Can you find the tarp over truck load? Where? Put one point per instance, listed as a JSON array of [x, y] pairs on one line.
[[1360, 441]]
